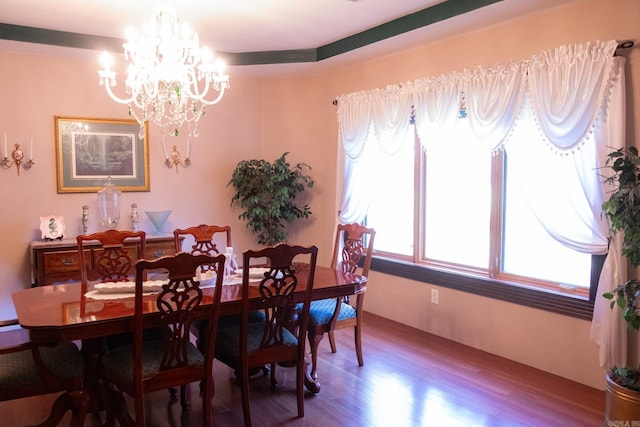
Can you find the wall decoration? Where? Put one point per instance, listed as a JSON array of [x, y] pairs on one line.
[[90, 150]]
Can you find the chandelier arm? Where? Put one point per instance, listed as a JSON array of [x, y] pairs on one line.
[[215, 101], [116, 98]]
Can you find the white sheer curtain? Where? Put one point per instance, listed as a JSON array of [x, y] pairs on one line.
[[436, 102], [494, 97], [575, 96]]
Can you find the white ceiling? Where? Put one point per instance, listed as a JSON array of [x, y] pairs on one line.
[[262, 25]]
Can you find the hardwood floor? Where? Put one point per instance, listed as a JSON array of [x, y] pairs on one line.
[[410, 378]]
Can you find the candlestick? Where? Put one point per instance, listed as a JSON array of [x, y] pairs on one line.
[[17, 159], [164, 148], [176, 160]]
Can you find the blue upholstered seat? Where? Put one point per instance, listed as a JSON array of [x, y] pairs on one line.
[[321, 312]]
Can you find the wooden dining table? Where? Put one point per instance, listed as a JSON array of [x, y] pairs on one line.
[[67, 312]]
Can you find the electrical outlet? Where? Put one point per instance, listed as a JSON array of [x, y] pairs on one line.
[[435, 296]]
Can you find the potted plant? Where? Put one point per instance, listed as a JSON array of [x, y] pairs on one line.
[[267, 194], [623, 211]]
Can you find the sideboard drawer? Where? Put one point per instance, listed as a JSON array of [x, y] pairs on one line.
[[159, 249], [58, 261], [63, 262]]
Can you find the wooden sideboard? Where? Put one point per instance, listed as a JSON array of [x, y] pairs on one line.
[[57, 261]]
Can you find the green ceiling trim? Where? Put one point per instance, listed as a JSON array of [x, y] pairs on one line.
[[271, 57], [59, 38], [439, 12], [422, 18]]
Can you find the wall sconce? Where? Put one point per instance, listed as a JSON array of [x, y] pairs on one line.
[[174, 159], [17, 157]]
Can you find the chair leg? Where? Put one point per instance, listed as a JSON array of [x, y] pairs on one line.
[[173, 393], [332, 341], [246, 409], [300, 374], [184, 402], [274, 382], [314, 342], [117, 410], [207, 397], [357, 333]]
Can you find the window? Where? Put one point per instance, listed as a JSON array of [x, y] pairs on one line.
[[457, 201], [392, 206], [457, 212], [505, 198]]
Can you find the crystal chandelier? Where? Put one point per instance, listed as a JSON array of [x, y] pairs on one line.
[[168, 76]]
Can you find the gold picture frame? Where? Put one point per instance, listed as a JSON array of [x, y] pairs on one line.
[[89, 150]]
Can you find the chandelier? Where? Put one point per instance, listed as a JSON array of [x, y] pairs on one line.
[[169, 75]]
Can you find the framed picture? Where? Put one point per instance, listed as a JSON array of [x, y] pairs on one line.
[[88, 151]]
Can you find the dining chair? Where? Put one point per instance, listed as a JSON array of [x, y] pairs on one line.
[[204, 239], [145, 366], [353, 248], [112, 261], [27, 369], [277, 339]]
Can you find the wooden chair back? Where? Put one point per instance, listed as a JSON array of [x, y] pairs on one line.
[[113, 261], [201, 239], [353, 242]]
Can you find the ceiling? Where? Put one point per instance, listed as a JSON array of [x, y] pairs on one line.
[[260, 35]]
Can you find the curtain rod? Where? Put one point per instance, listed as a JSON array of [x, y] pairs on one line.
[[627, 44]]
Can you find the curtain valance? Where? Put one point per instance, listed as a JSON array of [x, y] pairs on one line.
[[567, 88]]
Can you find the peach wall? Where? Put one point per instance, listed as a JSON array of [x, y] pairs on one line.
[[35, 88], [551, 342], [262, 118]]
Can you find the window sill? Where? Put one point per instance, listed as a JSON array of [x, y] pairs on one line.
[[572, 306]]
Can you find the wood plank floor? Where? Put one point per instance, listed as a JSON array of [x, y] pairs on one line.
[[410, 378]]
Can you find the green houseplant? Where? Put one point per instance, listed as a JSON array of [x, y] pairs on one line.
[[267, 194], [623, 211]]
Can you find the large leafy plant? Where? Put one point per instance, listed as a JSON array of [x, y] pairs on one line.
[[623, 211], [267, 194]]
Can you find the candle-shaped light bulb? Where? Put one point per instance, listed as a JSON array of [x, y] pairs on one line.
[[105, 59]]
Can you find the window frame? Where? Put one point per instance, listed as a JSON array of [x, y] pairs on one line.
[[491, 283]]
